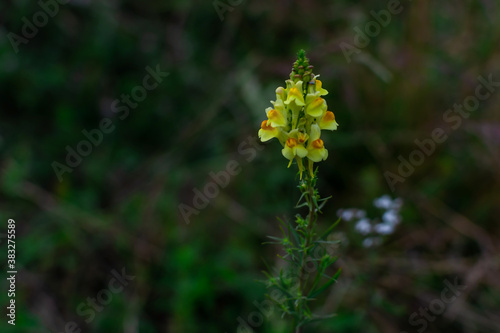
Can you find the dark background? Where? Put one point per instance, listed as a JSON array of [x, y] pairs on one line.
[[119, 208]]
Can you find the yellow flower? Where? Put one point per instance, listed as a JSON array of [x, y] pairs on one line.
[[316, 150], [322, 92], [328, 122], [267, 132], [315, 105], [295, 93], [276, 118], [315, 87], [293, 148]]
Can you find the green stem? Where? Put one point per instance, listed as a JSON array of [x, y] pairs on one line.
[[309, 230]]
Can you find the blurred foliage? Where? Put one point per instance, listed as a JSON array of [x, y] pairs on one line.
[[120, 207]]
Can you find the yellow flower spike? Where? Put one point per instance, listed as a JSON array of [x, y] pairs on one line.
[[328, 122], [275, 117], [267, 132], [293, 148], [319, 88], [295, 93], [298, 115], [316, 151], [315, 106]]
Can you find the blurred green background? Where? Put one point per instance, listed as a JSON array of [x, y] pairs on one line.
[[119, 208]]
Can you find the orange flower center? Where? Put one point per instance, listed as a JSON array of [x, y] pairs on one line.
[[318, 144], [264, 126], [329, 116], [291, 142]]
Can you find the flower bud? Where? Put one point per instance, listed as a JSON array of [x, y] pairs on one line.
[[280, 93]]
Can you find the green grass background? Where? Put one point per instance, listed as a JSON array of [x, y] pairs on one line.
[[119, 208]]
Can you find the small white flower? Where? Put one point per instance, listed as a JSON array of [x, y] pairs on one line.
[[347, 214], [384, 228], [391, 217], [384, 202], [363, 226]]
